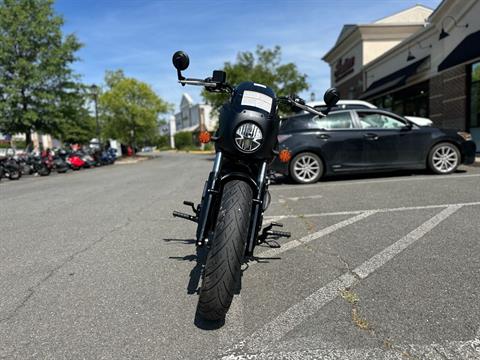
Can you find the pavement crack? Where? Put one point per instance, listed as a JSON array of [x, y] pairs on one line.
[[31, 290]]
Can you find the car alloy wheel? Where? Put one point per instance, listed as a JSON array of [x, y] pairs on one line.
[[445, 159], [306, 168]]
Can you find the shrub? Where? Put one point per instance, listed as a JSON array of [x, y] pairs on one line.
[[183, 140], [163, 142]]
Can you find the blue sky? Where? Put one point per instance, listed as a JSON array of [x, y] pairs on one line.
[[140, 36]]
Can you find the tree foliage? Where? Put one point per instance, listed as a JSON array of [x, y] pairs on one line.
[[78, 125], [37, 85], [130, 109], [264, 67]]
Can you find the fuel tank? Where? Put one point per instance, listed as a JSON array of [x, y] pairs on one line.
[[248, 124]]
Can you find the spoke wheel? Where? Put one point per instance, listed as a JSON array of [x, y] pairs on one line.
[[306, 168], [444, 158]]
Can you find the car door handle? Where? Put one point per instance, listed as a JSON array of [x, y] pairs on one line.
[[323, 136], [371, 136]]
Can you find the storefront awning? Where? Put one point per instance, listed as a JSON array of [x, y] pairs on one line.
[[396, 79], [467, 50]]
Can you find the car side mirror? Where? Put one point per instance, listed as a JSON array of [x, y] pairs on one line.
[[331, 97], [181, 61]]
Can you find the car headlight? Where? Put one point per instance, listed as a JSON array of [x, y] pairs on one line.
[[467, 136], [248, 137]]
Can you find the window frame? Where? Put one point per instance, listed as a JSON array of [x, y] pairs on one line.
[[385, 113], [352, 118]]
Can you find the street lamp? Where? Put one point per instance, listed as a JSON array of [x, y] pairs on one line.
[[94, 90]]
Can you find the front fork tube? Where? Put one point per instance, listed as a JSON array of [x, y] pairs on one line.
[[257, 212], [209, 193]]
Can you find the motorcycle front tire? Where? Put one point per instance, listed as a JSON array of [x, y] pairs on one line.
[[14, 174], [225, 256], [44, 171]]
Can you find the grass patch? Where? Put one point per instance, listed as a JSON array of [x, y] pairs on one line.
[[349, 296]]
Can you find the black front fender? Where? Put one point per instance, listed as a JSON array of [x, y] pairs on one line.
[[240, 176]]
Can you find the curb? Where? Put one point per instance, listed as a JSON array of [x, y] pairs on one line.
[[129, 161], [200, 152]]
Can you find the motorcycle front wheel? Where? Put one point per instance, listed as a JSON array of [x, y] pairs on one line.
[[225, 257], [44, 171], [14, 174]]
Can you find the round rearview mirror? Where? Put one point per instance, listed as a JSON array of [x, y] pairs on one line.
[[180, 60], [331, 97]]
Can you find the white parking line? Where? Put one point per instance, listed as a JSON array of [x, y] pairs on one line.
[[234, 323], [298, 313], [283, 200], [373, 181], [381, 210], [388, 253], [315, 236], [448, 350]]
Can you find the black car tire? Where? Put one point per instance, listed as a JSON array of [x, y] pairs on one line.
[[223, 266], [301, 160], [444, 158]]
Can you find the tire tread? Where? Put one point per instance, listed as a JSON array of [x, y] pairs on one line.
[[224, 260]]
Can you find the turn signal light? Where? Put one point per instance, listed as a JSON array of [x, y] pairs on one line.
[[204, 137], [285, 156]]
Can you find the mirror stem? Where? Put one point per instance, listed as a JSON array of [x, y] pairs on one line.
[[180, 76]]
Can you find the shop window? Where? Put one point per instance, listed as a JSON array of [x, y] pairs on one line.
[[411, 101]]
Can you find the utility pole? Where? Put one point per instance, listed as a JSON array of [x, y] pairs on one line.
[[172, 129], [94, 89]]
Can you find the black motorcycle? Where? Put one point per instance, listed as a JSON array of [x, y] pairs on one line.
[[235, 196], [9, 168], [59, 161]]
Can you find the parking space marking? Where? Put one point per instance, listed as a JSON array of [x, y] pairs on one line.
[[381, 210], [373, 181], [448, 350], [283, 200], [234, 323], [396, 248], [295, 315], [298, 313], [315, 236]]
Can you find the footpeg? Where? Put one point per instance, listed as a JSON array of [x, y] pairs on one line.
[[192, 205], [185, 216], [279, 233], [267, 231]]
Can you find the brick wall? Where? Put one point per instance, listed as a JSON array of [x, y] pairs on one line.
[[353, 86], [448, 100]]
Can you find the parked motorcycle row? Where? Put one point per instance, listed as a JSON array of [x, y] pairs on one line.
[[16, 164]]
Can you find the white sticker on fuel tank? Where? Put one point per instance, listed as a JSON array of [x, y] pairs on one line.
[[258, 100]]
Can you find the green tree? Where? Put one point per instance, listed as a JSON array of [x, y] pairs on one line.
[[78, 125], [264, 67], [35, 73], [130, 109]]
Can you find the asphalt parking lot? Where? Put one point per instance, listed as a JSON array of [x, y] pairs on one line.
[[93, 266]]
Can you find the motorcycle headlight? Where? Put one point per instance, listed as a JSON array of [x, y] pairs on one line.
[[467, 136], [248, 137]]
